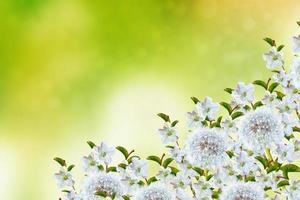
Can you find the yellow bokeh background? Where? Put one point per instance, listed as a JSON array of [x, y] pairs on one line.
[[74, 70]]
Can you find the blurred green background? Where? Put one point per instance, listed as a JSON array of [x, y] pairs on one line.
[[75, 70]]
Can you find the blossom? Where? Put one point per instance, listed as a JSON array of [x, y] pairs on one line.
[[243, 191], [194, 119], [177, 154], [105, 183], [208, 108], [296, 43], [155, 192], [90, 165], [103, 153], [282, 77], [295, 72], [229, 125], [293, 190], [138, 168], [287, 105], [260, 128], [64, 178], [243, 93], [206, 148], [270, 99], [168, 134], [273, 58]]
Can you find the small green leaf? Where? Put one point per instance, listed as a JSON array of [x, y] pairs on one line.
[[282, 183], [130, 158], [257, 104], [167, 162], [70, 167], [126, 197], [91, 144], [280, 47], [273, 86], [122, 165], [227, 106], [260, 83], [298, 23], [174, 123], [155, 159], [199, 170], [195, 100], [230, 154], [101, 194], [60, 161], [165, 117], [123, 150], [111, 169], [151, 180], [174, 170], [270, 41], [250, 178], [237, 114], [228, 90], [289, 168], [263, 161], [280, 95], [296, 129]]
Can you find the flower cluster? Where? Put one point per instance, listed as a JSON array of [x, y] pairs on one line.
[[244, 149]]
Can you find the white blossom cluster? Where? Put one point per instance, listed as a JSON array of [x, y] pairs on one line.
[[244, 149]]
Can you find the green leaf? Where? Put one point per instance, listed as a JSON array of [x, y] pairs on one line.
[[199, 170], [298, 23], [230, 154], [70, 167], [237, 114], [60, 161], [123, 150], [155, 159], [227, 106], [263, 161], [130, 158], [174, 123], [280, 95], [257, 104], [195, 100], [273, 86], [228, 90], [282, 183], [296, 129], [100, 167], [174, 170], [91, 144], [280, 47], [111, 169], [151, 180], [101, 194], [165, 117], [289, 168], [270, 41], [250, 178], [260, 83], [167, 162], [126, 197]]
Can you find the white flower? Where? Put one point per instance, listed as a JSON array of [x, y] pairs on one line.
[[296, 43], [293, 190], [138, 169], [287, 105], [273, 58], [182, 180], [177, 154], [206, 148], [90, 165], [243, 93], [295, 72], [194, 119], [284, 152], [244, 163], [164, 175], [72, 195], [103, 153], [260, 129], [155, 192], [108, 184], [208, 108], [288, 122], [270, 99], [202, 189], [243, 191], [229, 125], [168, 134], [282, 78], [64, 178]]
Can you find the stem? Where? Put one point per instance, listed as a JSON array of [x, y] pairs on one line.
[[268, 82]]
